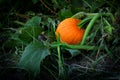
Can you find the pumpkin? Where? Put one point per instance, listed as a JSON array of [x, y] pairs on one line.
[[69, 31]]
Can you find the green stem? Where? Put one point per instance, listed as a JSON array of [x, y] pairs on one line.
[[79, 15], [59, 61], [108, 24], [83, 14], [84, 47], [110, 15], [89, 27], [18, 22], [59, 57]]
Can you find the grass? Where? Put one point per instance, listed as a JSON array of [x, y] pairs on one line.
[[96, 57]]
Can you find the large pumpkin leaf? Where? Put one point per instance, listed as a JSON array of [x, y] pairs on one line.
[[31, 30], [32, 57], [34, 21]]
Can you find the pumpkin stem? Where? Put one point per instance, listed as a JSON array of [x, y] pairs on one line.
[[89, 27]]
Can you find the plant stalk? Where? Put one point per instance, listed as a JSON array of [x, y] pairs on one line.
[[89, 27], [60, 65]]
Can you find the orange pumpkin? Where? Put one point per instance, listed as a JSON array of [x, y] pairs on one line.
[[69, 32]]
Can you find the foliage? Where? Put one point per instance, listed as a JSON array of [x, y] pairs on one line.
[[30, 50], [32, 56]]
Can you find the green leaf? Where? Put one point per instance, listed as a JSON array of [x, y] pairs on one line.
[[73, 53], [109, 29], [65, 13], [31, 30], [32, 57], [35, 21]]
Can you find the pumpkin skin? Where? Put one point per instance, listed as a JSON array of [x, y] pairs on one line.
[[69, 32]]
